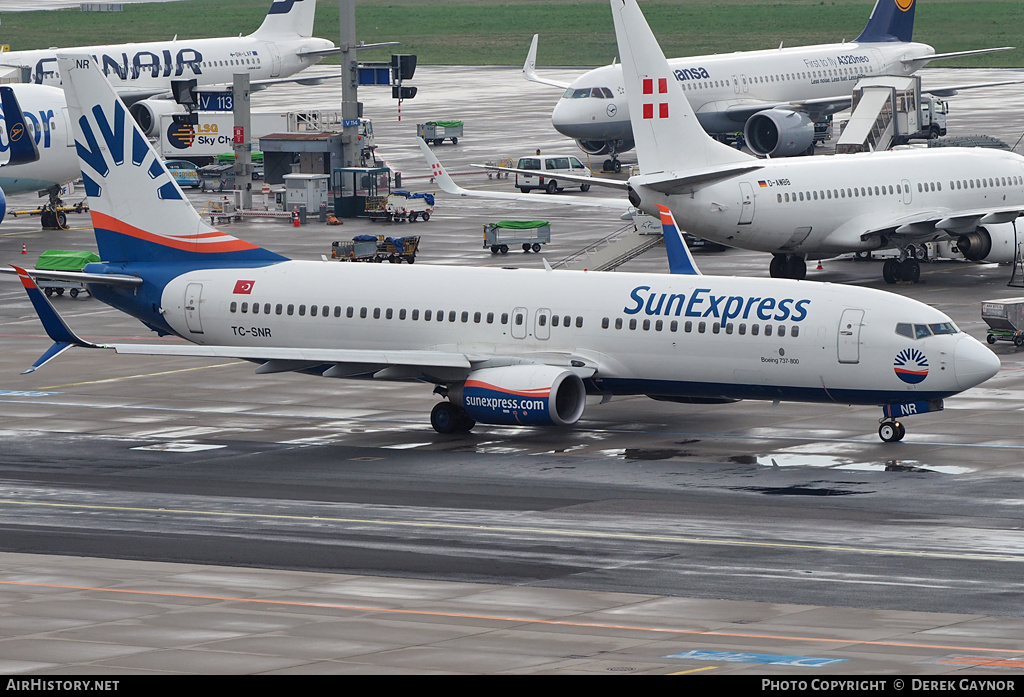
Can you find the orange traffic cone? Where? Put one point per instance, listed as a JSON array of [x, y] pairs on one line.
[[820, 267], [295, 217], [24, 249]]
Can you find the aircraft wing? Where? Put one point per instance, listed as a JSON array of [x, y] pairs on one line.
[[380, 364], [927, 225], [620, 184], [530, 68], [449, 186]]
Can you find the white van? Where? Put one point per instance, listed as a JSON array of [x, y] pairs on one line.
[[548, 168]]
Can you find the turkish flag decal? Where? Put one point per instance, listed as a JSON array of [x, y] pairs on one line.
[[243, 287]]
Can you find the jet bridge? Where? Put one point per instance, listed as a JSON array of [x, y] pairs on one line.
[[886, 111]]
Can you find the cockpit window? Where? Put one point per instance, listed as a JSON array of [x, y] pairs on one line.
[[920, 331], [607, 93], [581, 93]]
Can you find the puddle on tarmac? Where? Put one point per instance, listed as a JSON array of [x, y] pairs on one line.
[[845, 463]]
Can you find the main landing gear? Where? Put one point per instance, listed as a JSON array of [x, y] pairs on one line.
[[445, 417], [907, 268], [788, 266]]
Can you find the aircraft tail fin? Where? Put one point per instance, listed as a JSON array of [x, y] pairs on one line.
[[138, 211], [668, 136], [680, 261], [890, 21], [288, 18], [22, 144]]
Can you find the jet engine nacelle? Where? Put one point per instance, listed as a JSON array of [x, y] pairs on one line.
[[779, 133], [147, 113], [604, 147], [530, 395], [993, 243]]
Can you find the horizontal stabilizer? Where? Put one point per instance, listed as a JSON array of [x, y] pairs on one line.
[[96, 279], [687, 183], [924, 60]]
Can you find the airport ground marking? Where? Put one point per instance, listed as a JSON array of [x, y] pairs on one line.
[[510, 618], [552, 532], [143, 375]]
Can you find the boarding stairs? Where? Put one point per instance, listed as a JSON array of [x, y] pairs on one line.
[[616, 249], [871, 126]]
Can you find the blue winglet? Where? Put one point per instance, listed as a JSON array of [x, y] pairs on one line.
[[62, 335], [23, 145], [680, 261]]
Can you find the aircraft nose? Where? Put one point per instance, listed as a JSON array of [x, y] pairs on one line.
[[973, 363], [560, 116]]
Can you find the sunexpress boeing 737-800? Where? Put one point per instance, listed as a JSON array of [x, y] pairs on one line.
[[773, 96], [528, 358]]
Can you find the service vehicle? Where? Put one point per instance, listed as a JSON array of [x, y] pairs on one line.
[[548, 168], [183, 172]]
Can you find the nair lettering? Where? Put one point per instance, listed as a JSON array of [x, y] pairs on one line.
[[142, 64], [703, 303]]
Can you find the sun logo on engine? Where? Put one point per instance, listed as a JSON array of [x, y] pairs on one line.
[[911, 366]]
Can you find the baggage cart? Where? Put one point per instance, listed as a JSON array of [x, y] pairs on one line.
[[401, 206], [217, 177], [437, 132], [63, 260], [377, 249], [1005, 319], [531, 234]]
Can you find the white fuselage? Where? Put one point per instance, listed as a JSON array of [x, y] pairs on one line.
[[47, 116], [827, 205], [644, 333], [144, 69], [739, 81]]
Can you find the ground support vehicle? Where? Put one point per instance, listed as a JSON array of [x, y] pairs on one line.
[[531, 234], [376, 249], [400, 206], [506, 162], [437, 132], [1005, 319], [63, 260]]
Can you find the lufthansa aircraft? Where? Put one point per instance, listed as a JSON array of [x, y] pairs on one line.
[[809, 208], [529, 358], [283, 46], [773, 96]]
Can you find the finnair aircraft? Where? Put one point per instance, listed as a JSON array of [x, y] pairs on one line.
[[527, 360], [282, 46], [773, 96]]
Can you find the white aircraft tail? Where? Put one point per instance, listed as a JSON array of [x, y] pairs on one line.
[[288, 19], [138, 211], [668, 136]]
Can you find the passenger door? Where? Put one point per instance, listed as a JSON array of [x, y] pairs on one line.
[[746, 203], [193, 298], [849, 336], [519, 323]]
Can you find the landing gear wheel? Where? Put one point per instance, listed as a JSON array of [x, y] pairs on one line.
[[616, 166], [910, 270], [796, 268], [446, 418], [891, 270], [552, 186], [891, 431], [62, 220], [47, 219], [536, 248], [607, 165], [777, 268]]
